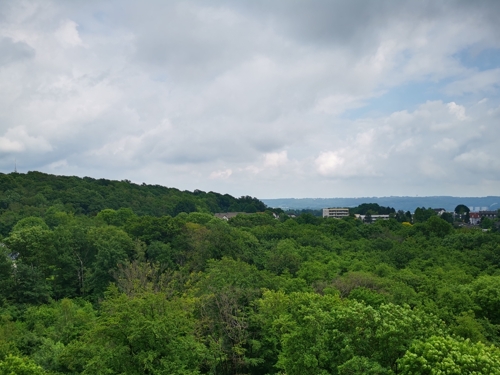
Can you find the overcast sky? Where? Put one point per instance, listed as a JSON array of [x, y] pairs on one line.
[[266, 98]]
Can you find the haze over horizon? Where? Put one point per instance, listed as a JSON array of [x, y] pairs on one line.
[[264, 98]]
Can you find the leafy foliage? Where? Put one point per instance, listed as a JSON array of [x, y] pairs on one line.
[[108, 277]]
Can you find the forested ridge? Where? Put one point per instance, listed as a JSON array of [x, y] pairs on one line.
[[35, 192], [108, 277]]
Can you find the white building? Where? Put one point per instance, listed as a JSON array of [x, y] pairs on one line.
[[373, 217], [336, 212]]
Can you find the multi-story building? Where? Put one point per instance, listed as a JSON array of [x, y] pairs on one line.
[[372, 217], [488, 214], [335, 212]]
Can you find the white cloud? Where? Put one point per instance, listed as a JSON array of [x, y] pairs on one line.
[[67, 34], [224, 174], [7, 145], [355, 160], [338, 104], [328, 163], [17, 140], [275, 159], [457, 110]]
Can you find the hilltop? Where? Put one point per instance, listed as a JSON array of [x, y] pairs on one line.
[[33, 193]]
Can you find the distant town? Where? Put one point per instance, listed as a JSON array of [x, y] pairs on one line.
[[371, 212], [462, 214], [405, 203]]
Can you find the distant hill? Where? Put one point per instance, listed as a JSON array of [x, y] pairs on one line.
[[34, 193], [399, 203]]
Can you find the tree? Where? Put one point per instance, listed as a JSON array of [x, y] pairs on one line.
[[447, 216], [32, 245], [186, 206], [362, 366], [14, 365], [487, 223], [322, 334], [113, 217], [401, 216], [375, 209], [34, 254], [462, 212], [146, 334], [6, 279], [449, 356], [437, 226], [486, 294], [284, 257], [73, 262], [112, 247], [422, 214]]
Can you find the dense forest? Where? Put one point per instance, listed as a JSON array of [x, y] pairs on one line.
[[36, 194], [108, 277]]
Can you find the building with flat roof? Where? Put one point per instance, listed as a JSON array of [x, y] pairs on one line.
[[336, 212], [488, 214], [372, 217]]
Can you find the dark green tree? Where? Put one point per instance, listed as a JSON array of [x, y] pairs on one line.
[[462, 213], [422, 214]]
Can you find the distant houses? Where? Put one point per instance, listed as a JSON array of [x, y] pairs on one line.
[[439, 211], [228, 215], [474, 218], [371, 218], [488, 214]]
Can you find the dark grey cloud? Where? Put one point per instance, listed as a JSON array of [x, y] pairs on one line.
[[11, 51]]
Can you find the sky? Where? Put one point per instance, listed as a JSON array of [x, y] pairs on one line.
[[266, 98]]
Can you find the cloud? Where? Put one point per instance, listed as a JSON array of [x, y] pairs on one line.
[[11, 51], [275, 159], [68, 35], [338, 104], [262, 98], [446, 144], [436, 142], [457, 110], [430, 167], [355, 160], [487, 81], [478, 161], [225, 174], [18, 140], [329, 162]]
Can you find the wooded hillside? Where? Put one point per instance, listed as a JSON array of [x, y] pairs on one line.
[[35, 192]]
